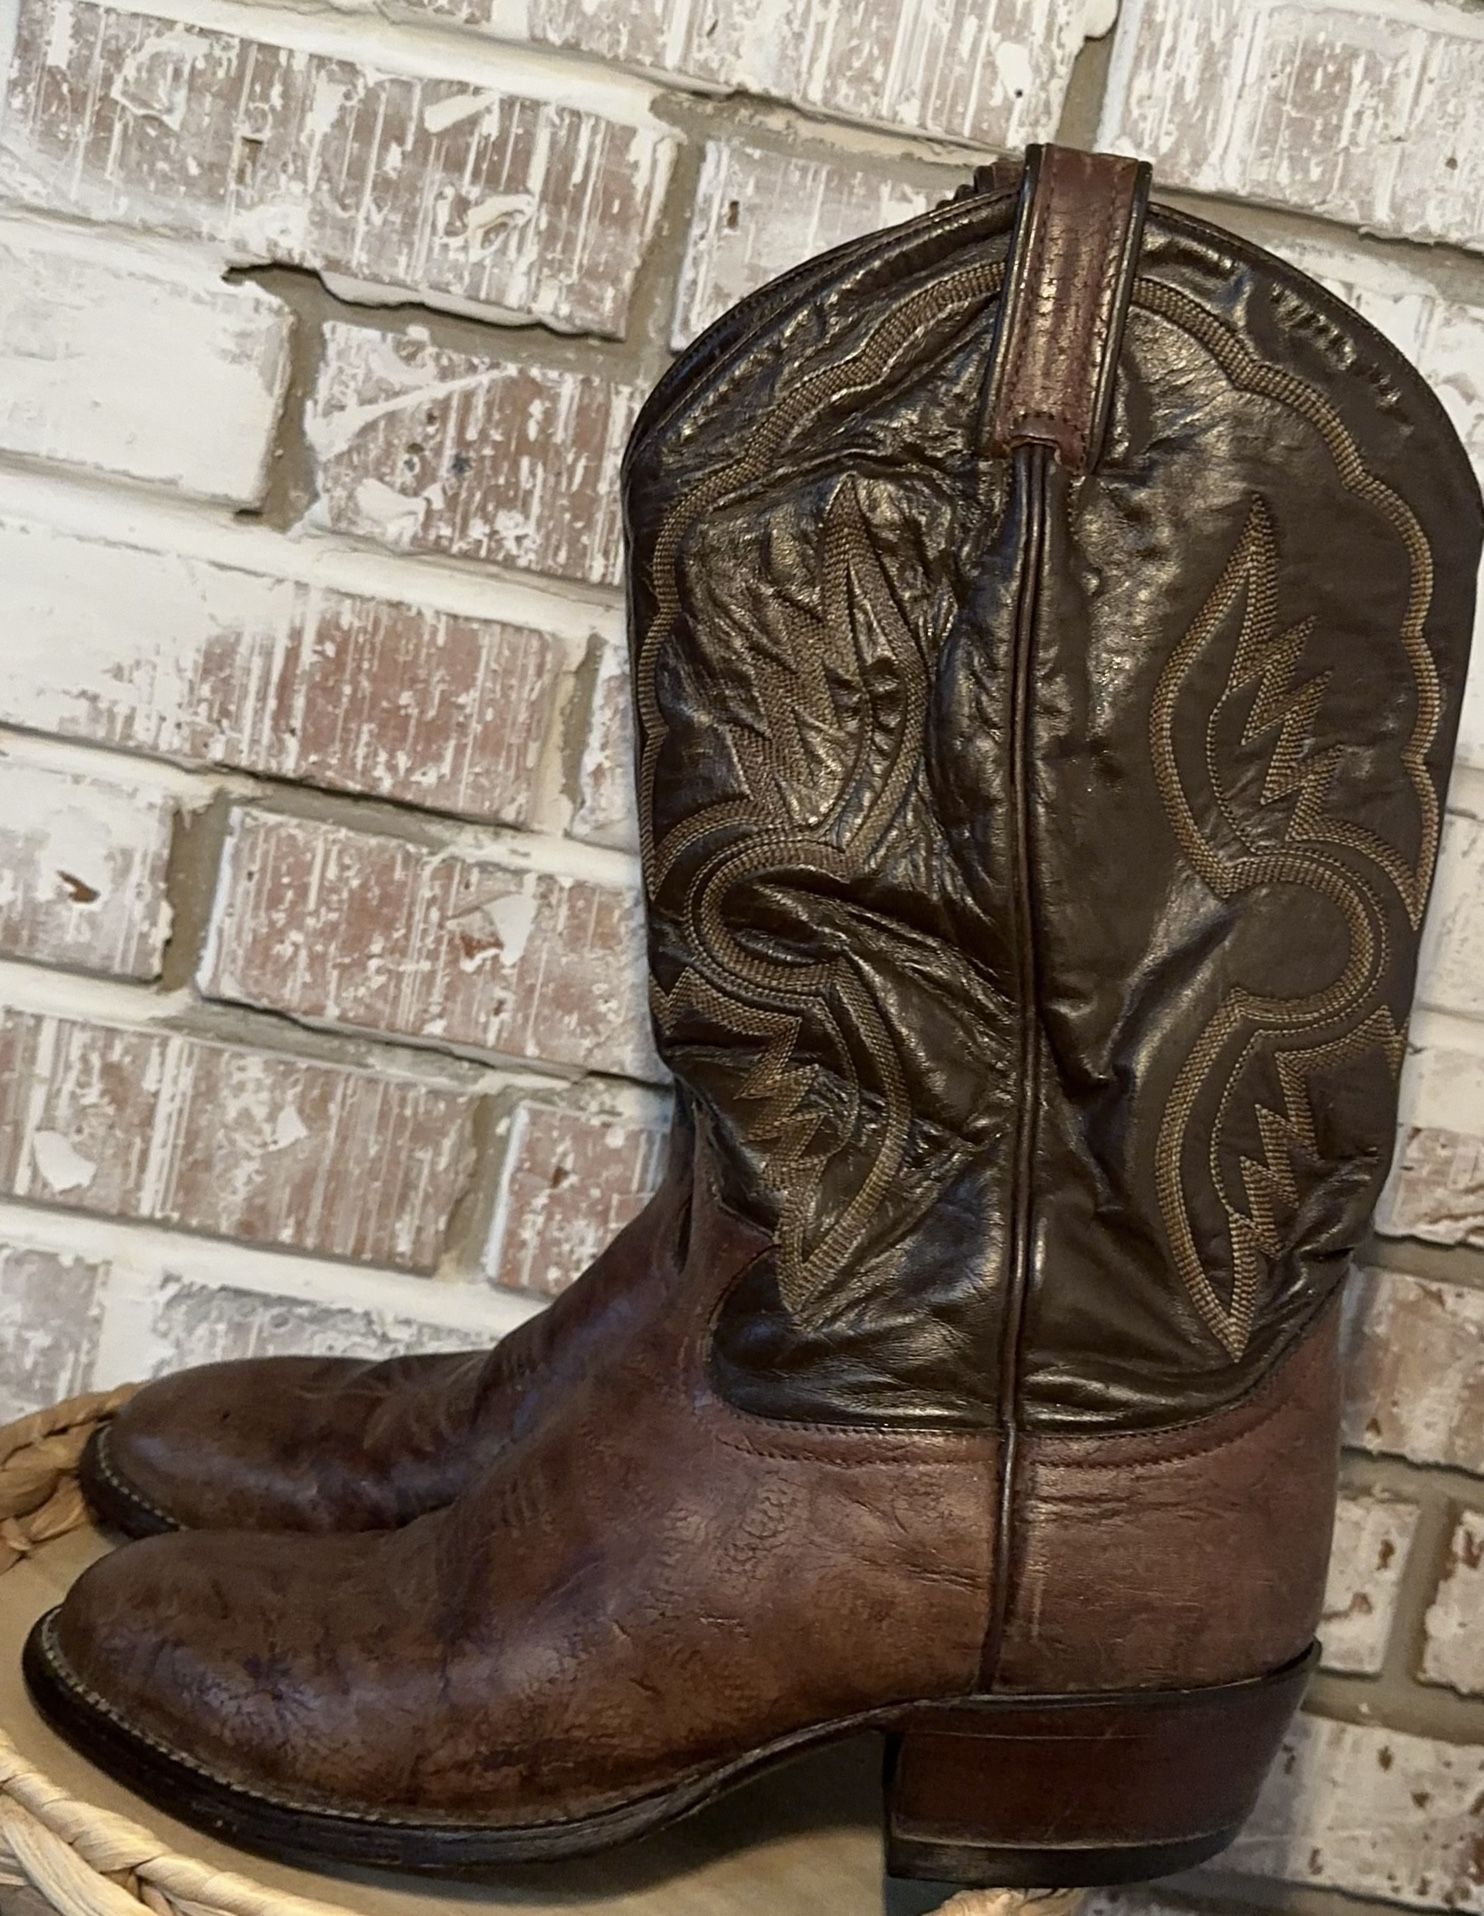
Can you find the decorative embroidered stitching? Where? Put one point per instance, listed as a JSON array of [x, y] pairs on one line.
[[730, 984], [1349, 1017]]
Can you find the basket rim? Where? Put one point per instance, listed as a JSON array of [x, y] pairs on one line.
[[76, 1856]]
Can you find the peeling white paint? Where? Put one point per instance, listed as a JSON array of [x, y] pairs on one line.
[[62, 1167], [149, 372]]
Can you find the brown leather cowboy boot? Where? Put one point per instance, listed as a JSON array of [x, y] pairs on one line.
[[1050, 621], [335, 1443]]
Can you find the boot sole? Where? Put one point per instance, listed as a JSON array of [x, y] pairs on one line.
[[112, 1498], [1013, 1792]]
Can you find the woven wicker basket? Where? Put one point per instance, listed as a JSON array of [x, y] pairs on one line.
[[60, 1853]]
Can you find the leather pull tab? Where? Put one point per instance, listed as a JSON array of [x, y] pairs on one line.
[[1072, 264]]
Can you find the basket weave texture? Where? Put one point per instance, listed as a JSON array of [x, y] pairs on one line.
[[84, 1861], [80, 1860]]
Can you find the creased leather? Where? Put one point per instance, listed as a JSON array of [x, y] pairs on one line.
[[645, 1585], [1251, 632], [324, 1444]]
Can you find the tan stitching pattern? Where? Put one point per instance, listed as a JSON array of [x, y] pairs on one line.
[[1299, 1036], [796, 819]]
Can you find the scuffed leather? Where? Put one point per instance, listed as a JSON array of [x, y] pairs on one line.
[[333, 1444], [830, 582], [1180, 1556], [647, 1584]]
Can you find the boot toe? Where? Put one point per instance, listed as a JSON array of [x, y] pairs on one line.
[[166, 1659], [210, 1448]]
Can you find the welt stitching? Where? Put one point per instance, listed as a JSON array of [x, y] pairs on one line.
[[103, 1464]]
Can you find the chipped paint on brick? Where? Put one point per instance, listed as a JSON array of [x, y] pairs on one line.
[[573, 1177], [606, 811], [1373, 1539], [1451, 969], [1363, 111], [515, 206], [758, 212], [427, 450], [193, 1323], [351, 929], [82, 870], [220, 1139], [1416, 1380], [1453, 1630], [214, 665], [48, 1327], [1372, 1812], [994, 72]]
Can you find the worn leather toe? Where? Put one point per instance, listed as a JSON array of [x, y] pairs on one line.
[[287, 1443], [182, 1643]]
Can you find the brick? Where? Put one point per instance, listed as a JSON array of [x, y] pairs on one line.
[[1451, 972], [1453, 1630], [214, 665], [994, 72], [1416, 1381], [1365, 112], [1373, 1536], [236, 1143], [369, 933], [1136, 1901], [48, 1327], [1372, 1812], [121, 362], [757, 213], [396, 181], [82, 870], [1436, 1187], [195, 1323], [572, 1178], [1436, 1190], [428, 450], [606, 812]]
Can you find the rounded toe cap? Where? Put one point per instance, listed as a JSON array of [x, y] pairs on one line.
[[219, 1446], [172, 1655]]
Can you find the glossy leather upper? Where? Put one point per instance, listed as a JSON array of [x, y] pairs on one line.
[[973, 786]]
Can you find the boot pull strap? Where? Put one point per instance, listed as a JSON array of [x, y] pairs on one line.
[[1072, 261]]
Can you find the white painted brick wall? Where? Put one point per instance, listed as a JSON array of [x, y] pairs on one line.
[[1373, 1541], [758, 211], [464, 947], [120, 360], [470, 196], [1372, 1812], [1453, 1630], [428, 450], [1417, 1376], [217, 664], [546, 1228], [49, 1309], [227, 1140], [82, 869], [991, 71], [1362, 111]]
